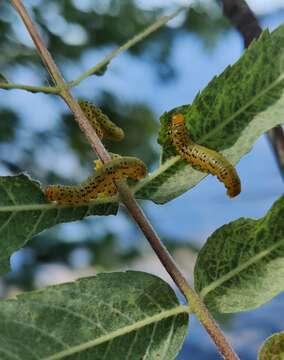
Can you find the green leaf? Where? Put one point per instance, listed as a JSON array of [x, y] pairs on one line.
[[24, 212], [245, 101], [241, 265], [119, 316], [273, 348]]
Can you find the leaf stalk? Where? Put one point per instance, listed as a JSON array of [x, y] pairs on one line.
[[34, 89]]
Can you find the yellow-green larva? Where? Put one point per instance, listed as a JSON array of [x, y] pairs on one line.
[[98, 163], [100, 184], [103, 126], [204, 159]]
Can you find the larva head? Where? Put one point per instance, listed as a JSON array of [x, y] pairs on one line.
[[234, 187], [111, 130], [136, 168], [178, 119], [141, 171], [116, 134], [51, 193]]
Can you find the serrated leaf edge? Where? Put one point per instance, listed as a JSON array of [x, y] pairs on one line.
[[173, 160]]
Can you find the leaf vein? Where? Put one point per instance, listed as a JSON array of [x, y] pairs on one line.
[[167, 343], [39, 330], [69, 311], [107, 349], [7, 222], [34, 228], [205, 291], [150, 341], [117, 333], [9, 339], [132, 345]]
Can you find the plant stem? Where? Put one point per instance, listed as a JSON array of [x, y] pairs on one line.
[[34, 89], [196, 304], [245, 21], [105, 61]]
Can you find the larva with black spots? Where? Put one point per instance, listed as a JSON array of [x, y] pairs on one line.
[[103, 126], [100, 184], [204, 159]]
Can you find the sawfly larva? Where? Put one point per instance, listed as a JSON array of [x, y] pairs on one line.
[[202, 158], [103, 126], [100, 184]]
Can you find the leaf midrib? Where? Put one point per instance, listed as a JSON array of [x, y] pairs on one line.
[[215, 284], [173, 160], [33, 207], [120, 332]]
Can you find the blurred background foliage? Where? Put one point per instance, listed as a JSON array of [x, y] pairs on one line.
[[72, 29]]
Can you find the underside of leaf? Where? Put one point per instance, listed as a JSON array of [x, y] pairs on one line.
[[118, 316]]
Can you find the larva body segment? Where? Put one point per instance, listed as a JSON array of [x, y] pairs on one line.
[[204, 159], [100, 184], [100, 122], [92, 120]]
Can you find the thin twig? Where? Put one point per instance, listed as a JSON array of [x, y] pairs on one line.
[[137, 38], [276, 140], [196, 304], [245, 21], [34, 89]]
